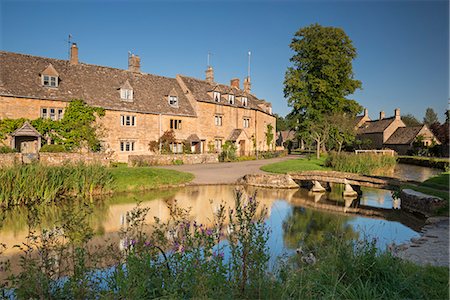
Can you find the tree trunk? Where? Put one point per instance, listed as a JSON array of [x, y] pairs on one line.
[[318, 148]]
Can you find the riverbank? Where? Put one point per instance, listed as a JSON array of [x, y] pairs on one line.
[[431, 248], [429, 162]]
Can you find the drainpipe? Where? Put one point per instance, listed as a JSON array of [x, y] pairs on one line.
[[160, 130], [256, 135]]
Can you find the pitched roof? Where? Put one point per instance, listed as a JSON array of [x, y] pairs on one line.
[[26, 130], [200, 90], [404, 135], [96, 85], [235, 133], [375, 126], [287, 135]]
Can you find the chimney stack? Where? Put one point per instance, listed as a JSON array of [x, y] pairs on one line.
[[73, 54], [134, 63], [235, 83], [397, 113], [210, 74], [247, 84], [381, 115], [366, 112]]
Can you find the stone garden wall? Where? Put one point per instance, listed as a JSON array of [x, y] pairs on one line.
[[55, 159], [171, 159], [420, 203]]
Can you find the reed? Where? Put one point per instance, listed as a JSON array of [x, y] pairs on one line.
[[36, 183], [368, 164]]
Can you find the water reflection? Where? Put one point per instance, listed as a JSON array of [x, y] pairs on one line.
[[416, 173]]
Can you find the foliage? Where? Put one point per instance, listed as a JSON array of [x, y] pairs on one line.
[[269, 136], [36, 183], [342, 131], [430, 117], [365, 163], [53, 148], [163, 143], [76, 129], [410, 120], [228, 152], [320, 79], [145, 178], [6, 149], [282, 123]]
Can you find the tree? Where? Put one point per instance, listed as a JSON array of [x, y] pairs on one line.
[[430, 117], [342, 130], [321, 76], [281, 123], [410, 120]]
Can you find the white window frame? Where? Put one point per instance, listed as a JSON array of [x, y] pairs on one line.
[[244, 101], [231, 99], [246, 123], [173, 101], [126, 94], [126, 146], [218, 120], [216, 96], [44, 112], [218, 145], [175, 124], [127, 120], [50, 81]]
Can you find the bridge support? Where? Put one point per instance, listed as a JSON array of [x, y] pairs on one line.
[[348, 190], [317, 187]]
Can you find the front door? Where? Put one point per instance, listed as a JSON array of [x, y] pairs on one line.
[[242, 147]]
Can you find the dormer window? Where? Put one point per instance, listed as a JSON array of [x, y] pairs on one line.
[[50, 77], [173, 101], [50, 81], [244, 101], [231, 99], [216, 96], [126, 94]]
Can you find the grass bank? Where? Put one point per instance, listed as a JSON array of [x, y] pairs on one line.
[[297, 165], [430, 162], [146, 178]]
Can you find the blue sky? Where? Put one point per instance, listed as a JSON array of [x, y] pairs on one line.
[[402, 46]]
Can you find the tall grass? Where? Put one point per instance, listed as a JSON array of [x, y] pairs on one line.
[[36, 183], [366, 163]]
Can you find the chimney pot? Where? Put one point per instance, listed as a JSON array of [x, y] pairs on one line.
[[73, 54], [235, 83], [382, 115], [366, 112], [134, 63]]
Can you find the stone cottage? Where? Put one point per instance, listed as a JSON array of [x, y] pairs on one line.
[[139, 107], [392, 133]]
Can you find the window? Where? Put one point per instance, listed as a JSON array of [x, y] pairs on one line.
[[231, 99], [126, 146], [216, 96], [218, 120], [128, 120], [175, 124], [176, 147], [50, 81], [244, 101], [43, 113], [52, 113], [218, 145], [126, 94], [173, 101], [246, 123]]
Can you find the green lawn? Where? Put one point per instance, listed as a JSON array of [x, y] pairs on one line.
[[146, 178], [296, 165], [436, 186]]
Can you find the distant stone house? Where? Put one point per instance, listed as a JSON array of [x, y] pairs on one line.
[[139, 107], [285, 136], [391, 133]]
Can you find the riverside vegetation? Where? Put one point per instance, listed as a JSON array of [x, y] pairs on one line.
[[228, 259]]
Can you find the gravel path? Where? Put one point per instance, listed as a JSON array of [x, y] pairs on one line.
[[431, 248], [226, 173]]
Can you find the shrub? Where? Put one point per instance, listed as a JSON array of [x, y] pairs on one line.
[[365, 163], [53, 148], [228, 152], [6, 149]]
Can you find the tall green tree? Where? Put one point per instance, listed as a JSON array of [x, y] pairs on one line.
[[430, 117], [410, 120], [321, 77]]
